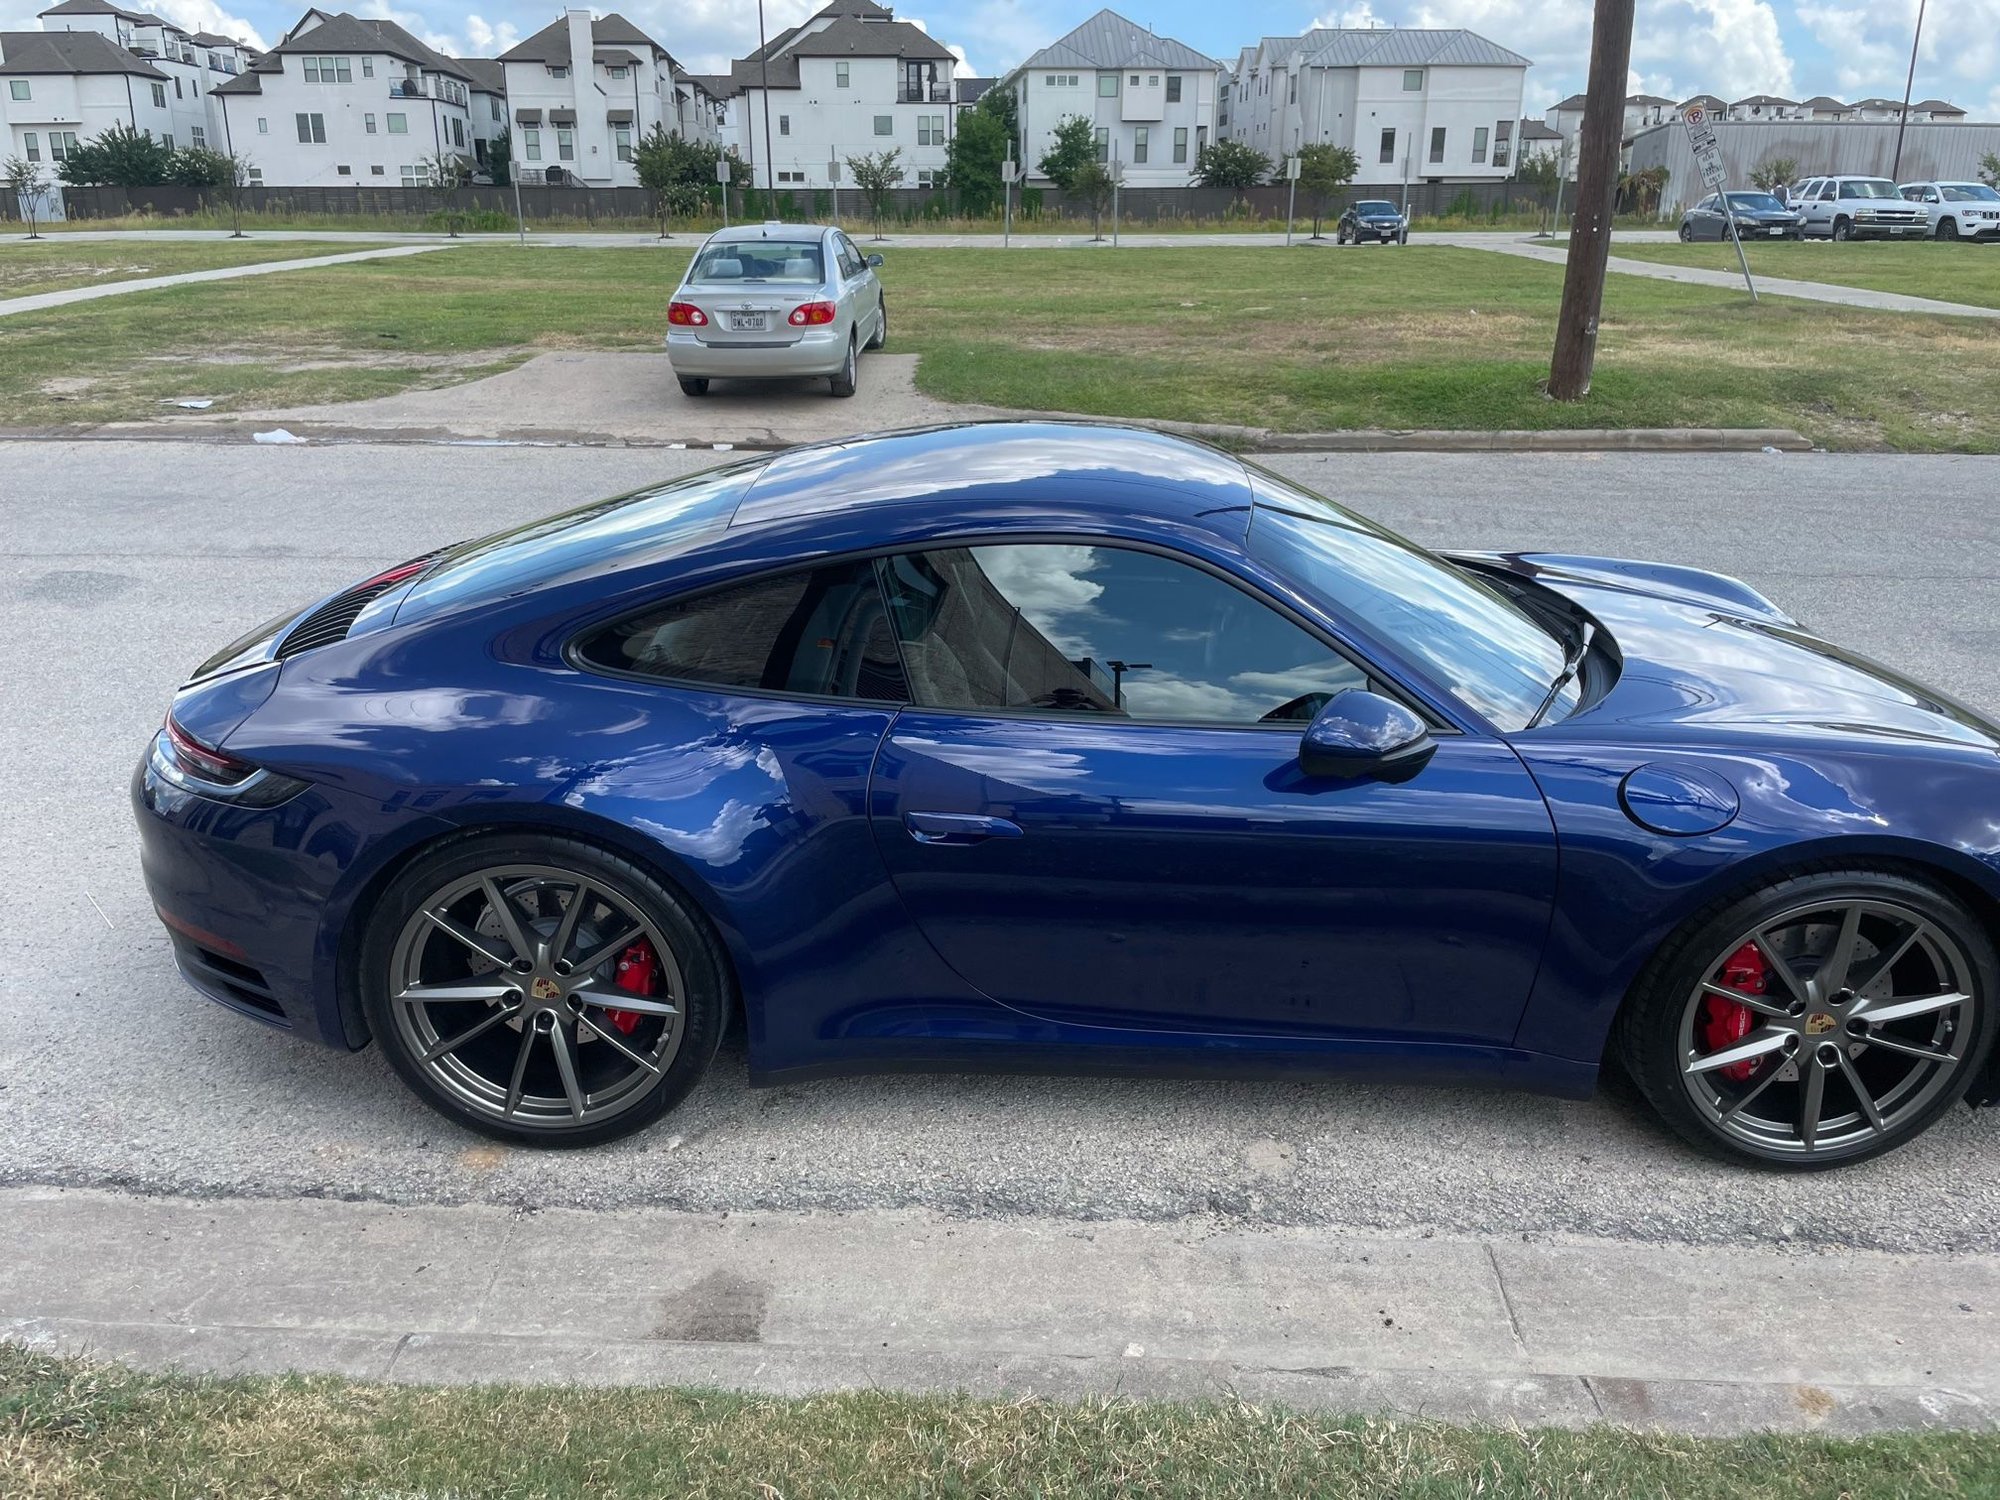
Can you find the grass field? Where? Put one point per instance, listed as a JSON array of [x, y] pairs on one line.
[[70, 1430], [58, 265], [1301, 340], [1950, 273]]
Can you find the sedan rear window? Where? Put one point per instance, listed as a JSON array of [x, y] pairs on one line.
[[799, 262]]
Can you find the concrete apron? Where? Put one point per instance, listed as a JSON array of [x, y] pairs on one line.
[[1709, 1341]]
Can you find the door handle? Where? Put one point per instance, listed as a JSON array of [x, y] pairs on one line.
[[958, 828]]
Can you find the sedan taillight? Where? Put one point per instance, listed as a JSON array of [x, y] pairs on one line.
[[807, 314], [686, 315]]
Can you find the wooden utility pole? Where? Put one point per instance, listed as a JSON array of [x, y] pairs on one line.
[[1601, 136]]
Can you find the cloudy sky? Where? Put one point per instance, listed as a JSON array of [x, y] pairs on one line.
[[1729, 47]]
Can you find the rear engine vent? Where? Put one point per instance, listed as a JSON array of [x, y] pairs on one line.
[[333, 619]]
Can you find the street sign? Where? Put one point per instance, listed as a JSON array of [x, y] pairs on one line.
[[1715, 176], [722, 165], [1712, 171], [1010, 170], [1291, 169]]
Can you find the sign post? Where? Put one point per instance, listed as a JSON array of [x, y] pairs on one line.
[[1009, 170], [722, 165], [1117, 181], [833, 176], [1291, 194], [1708, 157]]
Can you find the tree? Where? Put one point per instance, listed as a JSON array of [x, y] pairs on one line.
[[24, 182], [657, 159], [121, 157], [1540, 170], [999, 103], [973, 160], [1989, 169], [1639, 192], [500, 157], [231, 190], [448, 172], [1073, 148], [1092, 183], [1230, 164], [1773, 172], [875, 176], [198, 167], [1323, 171]]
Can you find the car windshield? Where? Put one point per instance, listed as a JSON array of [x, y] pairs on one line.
[[1968, 192], [1762, 203], [1374, 206], [1868, 187], [796, 261], [1479, 645]]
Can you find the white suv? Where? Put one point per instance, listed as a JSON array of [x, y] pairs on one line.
[[1857, 208], [1958, 210]]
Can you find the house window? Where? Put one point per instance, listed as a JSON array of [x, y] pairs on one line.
[[399, 124], [1200, 139], [930, 130], [565, 143], [167, 139], [199, 137], [177, 90], [312, 129], [1051, 81], [374, 171], [1413, 80], [1107, 85], [493, 101], [1103, 144], [620, 72], [1479, 146], [61, 143], [1135, 80], [458, 134], [344, 171], [263, 125], [1173, 88], [622, 138], [1138, 144], [784, 124], [1152, 80], [926, 177], [17, 88], [1180, 143], [885, 124], [1503, 135], [256, 176], [1071, 81], [791, 177], [413, 176], [33, 143], [368, 71], [159, 96], [1292, 88], [531, 140], [368, 123], [329, 70], [1437, 144], [1388, 146], [558, 72]]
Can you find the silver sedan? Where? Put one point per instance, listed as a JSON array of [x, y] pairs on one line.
[[776, 302]]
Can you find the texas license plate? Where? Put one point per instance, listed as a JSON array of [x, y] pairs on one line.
[[1774, 231], [746, 322]]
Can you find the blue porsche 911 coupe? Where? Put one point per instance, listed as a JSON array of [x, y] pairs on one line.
[[1071, 747]]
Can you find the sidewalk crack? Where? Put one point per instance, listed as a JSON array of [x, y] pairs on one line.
[[1507, 1299]]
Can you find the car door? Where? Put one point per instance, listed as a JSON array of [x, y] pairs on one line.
[[1707, 220], [864, 290], [1095, 812]]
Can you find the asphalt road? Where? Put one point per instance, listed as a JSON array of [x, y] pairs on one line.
[[122, 564]]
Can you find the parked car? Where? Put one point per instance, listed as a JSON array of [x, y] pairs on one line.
[[1758, 216], [776, 302], [1856, 208], [1958, 210], [1026, 745], [1372, 219]]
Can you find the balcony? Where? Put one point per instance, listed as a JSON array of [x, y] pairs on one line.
[[938, 93], [427, 88]]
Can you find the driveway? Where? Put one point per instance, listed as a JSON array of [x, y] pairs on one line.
[[126, 562]]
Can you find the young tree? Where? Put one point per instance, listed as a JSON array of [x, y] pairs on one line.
[[1323, 171], [121, 157], [657, 159], [1539, 170], [1989, 169], [1092, 183], [500, 157], [1230, 164], [231, 190], [448, 172], [1073, 148], [973, 160], [1774, 172], [24, 181], [876, 175]]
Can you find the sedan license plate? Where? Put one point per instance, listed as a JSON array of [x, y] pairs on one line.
[[1774, 231], [746, 322]]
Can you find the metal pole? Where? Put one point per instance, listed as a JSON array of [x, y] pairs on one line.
[[1007, 199], [1291, 201], [1115, 176], [1562, 171], [1903, 120], [1596, 185], [764, 56], [514, 171], [1737, 235]]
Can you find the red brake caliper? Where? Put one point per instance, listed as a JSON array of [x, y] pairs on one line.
[[638, 974], [1724, 1023]]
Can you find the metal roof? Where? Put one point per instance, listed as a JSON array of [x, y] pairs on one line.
[[1405, 47], [1107, 40]]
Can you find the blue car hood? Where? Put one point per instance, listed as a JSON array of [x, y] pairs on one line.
[[1703, 656]]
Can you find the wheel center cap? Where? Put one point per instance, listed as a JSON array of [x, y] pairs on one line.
[[1819, 1023], [545, 988]]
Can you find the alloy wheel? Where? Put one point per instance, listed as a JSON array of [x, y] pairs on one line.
[[1827, 1027], [537, 997]]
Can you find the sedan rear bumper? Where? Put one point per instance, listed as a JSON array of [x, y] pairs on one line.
[[821, 351]]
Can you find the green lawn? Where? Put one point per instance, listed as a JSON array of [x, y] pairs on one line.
[[69, 1430], [1300, 340], [56, 265], [1950, 273]]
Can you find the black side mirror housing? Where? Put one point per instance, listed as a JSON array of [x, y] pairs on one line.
[[1359, 734]]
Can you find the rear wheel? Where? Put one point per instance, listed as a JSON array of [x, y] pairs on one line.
[[1822, 1020], [850, 372], [541, 990], [692, 385]]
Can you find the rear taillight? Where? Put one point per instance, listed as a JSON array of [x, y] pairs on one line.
[[686, 315], [209, 771], [807, 314]]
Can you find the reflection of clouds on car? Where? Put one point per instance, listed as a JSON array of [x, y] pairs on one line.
[[1047, 585]]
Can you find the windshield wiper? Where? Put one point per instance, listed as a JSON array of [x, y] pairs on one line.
[[1572, 664]]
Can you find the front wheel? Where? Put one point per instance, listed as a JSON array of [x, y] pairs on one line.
[[1821, 1020], [541, 990], [850, 372], [1687, 235], [1340, 236], [1842, 230], [1947, 229], [881, 335]]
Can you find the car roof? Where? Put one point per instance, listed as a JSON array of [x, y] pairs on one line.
[[773, 229]]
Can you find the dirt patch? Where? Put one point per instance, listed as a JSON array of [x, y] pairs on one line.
[[295, 361], [62, 386], [26, 280]]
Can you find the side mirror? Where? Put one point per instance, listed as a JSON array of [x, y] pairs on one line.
[[874, 260], [1364, 734]]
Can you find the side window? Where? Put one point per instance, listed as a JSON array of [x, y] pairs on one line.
[[821, 631], [850, 258], [1103, 631]]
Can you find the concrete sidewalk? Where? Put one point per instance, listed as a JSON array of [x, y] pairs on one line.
[[1539, 1333], [39, 301]]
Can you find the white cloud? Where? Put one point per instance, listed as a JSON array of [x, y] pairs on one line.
[[484, 39], [1959, 58], [206, 15]]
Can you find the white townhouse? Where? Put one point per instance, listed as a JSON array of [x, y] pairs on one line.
[[1151, 100], [582, 92], [1412, 104], [486, 114], [851, 80], [60, 88], [186, 78], [347, 101]]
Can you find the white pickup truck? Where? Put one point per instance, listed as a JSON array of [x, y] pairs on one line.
[[1857, 208]]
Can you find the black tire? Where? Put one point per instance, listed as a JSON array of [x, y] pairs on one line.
[[1687, 234], [1340, 236], [881, 334], [1947, 229], [706, 991], [1842, 231], [694, 385], [1649, 1038], [849, 377]]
